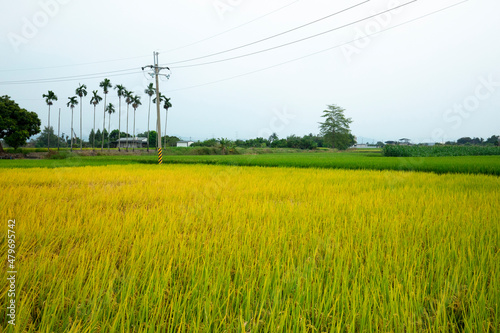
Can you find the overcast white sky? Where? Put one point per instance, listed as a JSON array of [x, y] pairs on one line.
[[436, 78]]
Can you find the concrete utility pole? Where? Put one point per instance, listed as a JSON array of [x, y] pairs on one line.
[[58, 129], [156, 73]]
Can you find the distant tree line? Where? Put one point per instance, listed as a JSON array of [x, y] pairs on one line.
[[334, 133], [465, 141], [491, 141], [64, 141], [308, 142]]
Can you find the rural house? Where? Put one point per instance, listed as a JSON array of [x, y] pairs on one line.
[[132, 143], [184, 143]]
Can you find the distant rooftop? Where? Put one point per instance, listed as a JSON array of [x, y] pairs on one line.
[[132, 140]]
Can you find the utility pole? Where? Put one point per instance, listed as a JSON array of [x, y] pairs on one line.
[[48, 134], [156, 73], [58, 129]]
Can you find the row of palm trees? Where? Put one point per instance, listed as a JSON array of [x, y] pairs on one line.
[[130, 99]]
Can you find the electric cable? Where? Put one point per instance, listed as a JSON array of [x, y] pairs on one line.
[[321, 51], [293, 42], [231, 29], [273, 36]]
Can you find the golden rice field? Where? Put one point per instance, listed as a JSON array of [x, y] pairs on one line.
[[196, 248]]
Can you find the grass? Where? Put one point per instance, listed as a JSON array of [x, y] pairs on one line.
[[166, 151], [138, 248], [357, 161], [438, 150], [466, 164]]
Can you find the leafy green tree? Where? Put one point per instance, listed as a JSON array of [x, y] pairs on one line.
[[71, 104], [494, 140], [92, 135], [94, 100], [307, 142], [49, 98], [153, 137], [223, 145], [279, 143], [150, 91], [101, 137], [120, 90], [464, 141], [172, 141], [16, 124], [80, 92], [273, 138], [293, 141], [113, 136], [43, 139], [206, 143], [98, 136], [335, 128]]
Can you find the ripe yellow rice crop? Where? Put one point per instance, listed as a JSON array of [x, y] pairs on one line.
[[212, 248]]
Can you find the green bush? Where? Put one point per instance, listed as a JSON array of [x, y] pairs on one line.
[[53, 155], [436, 151], [203, 151]]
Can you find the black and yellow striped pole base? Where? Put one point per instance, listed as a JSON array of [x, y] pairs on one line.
[[160, 156]]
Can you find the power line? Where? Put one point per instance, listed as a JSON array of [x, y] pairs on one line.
[[74, 77], [294, 42], [322, 51], [141, 57], [136, 71], [73, 65], [273, 36], [231, 29], [61, 79]]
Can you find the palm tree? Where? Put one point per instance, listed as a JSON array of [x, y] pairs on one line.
[[136, 101], [128, 99], [72, 103], [166, 106], [103, 127], [49, 97], [121, 92], [150, 90], [81, 91], [105, 85], [94, 100], [111, 109]]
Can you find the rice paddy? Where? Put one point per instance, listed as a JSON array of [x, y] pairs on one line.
[[438, 150], [207, 248], [489, 165]]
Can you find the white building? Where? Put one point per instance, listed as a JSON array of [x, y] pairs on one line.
[[184, 143], [132, 143]]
